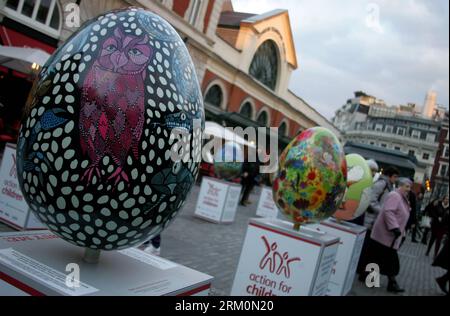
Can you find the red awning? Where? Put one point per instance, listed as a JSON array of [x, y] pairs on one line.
[[13, 38]]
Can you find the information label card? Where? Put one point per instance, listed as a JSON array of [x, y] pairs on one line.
[[14, 210]]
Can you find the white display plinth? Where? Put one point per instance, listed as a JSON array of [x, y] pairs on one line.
[[14, 210], [352, 239], [40, 263], [266, 205], [218, 200], [279, 261]]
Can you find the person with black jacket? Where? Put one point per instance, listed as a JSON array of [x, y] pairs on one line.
[[442, 262], [152, 246], [429, 209], [439, 225], [418, 216], [250, 172], [412, 221]]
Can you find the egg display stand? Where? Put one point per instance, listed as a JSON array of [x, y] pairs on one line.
[[91, 255], [277, 260], [352, 239], [40, 263], [217, 201], [266, 205]]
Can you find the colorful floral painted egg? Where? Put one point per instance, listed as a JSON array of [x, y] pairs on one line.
[[359, 184], [228, 161], [312, 176], [110, 108]]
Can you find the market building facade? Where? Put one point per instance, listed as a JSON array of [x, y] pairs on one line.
[[440, 173]]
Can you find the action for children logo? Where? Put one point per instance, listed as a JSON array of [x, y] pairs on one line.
[[212, 195], [272, 257], [9, 185], [279, 264], [213, 190]]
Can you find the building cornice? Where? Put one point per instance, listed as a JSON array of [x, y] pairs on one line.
[[177, 22], [393, 138], [253, 22]]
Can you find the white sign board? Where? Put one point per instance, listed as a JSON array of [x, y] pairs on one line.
[[266, 205], [351, 241], [14, 210], [277, 262], [147, 258], [42, 273], [231, 203], [41, 263], [217, 200]]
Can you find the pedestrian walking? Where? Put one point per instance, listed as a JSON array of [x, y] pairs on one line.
[[426, 220], [412, 221], [379, 192], [439, 225], [152, 246], [380, 189], [442, 262], [418, 217], [374, 168], [389, 228], [249, 178]]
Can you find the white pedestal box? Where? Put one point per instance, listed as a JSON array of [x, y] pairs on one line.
[[218, 200], [266, 205], [40, 263], [14, 209], [279, 261], [352, 240]]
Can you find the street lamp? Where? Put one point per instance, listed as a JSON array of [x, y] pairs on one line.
[[428, 185]]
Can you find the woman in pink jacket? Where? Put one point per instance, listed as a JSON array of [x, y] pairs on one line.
[[387, 232]]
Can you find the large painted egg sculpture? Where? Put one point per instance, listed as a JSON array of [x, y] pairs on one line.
[[311, 178], [110, 142], [228, 161], [359, 183]]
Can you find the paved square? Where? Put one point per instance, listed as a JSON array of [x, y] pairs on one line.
[[215, 249]]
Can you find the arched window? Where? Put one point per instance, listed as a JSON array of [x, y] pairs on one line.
[[282, 130], [247, 110], [264, 66], [262, 118], [43, 15], [214, 96]]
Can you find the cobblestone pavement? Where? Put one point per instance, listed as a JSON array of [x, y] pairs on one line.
[[215, 249]]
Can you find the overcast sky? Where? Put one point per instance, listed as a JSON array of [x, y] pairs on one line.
[[394, 50]]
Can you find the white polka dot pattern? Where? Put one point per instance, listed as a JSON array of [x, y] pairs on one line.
[[99, 199]]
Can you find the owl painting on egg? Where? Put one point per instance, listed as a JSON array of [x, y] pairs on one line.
[[113, 91], [109, 109]]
